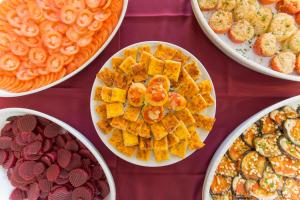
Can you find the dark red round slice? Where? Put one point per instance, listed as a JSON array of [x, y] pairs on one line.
[[52, 155], [38, 168], [26, 123], [46, 160], [3, 156], [91, 186], [43, 121], [5, 142], [97, 172], [11, 160], [17, 194], [34, 191], [61, 181], [75, 162], [60, 141], [15, 146], [103, 187], [26, 170], [78, 177], [52, 172], [72, 145], [33, 148], [7, 127], [45, 185], [60, 193], [52, 130], [64, 174], [47, 145], [82, 193], [86, 153], [63, 157]]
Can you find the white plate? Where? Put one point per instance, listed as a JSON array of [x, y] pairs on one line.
[[151, 163], [4, 93], [241, 53], [294, 102], [5, 186]]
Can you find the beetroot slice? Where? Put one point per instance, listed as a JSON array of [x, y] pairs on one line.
[[33, 148], [10, 162], [45, 185], [52, 130], [72, 145], [26, 170], [46, 160], [3, 156], [97, 172], [27, 123], [63, 157], [47, 145], [82, 193], [78, 177], [52, 172], [75, 162], [103, 187], [60, 194], [60, 141], [38, 168], [17, 194], [34, 192], [5, 142]]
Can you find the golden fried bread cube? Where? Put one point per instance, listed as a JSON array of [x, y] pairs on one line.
[[116, 141], [192, 128], [120, 80], [139, 72], [114, 110], [205, 87], [132, 113], [172, 69], [116, 62], [131, 52], [180, 57], [146, 48], [97, 96], [145, 131], [193, 70], [128, 151], [106, 93], [158, 131], [197, 104], [107, 76], [126, 65], [104, 125], [156, 66], [181, 131], [195, 142], [145, 143], [208, 98], [135, 127], [186, 116], [101, 111], [204, 122], [118, 95], [179, 149], [172, 139], [170, 122], [143, 154], [145, 58], [119, 123], [187, 87], [160, 145], [130, 139], [161, 155], [164, 52]]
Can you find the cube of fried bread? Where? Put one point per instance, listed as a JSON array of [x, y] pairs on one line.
[[106, 93], [186, 116], [143, 154], [164, 52], [158, 131], [116, 141], [145, 143], [116, 62], [97, 96], [187, 87], [195, 142], [197, 104], [204, 122], [179, 149], [180, 57], [170, 122], [131, 52], [132, 113], [172, 139], [172, 69], [119, 123], [161, 145], [181, 131], [145, 131], [142, 48], [193, 70], [140, 72], [135, 127], [126, 65], [120, 80], [118, 95], [114, 110], [161, 155], [192, 128], [104, 126], [101, 111], [145, 58], [208, 98], [130, 139], [107, 76], [156, 66], [205, 87]]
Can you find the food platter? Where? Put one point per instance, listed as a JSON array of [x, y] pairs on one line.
[[210, 111], [242, 53], [292, 102], [5, 185]]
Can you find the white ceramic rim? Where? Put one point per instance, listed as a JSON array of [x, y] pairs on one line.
[[101, 135], [11, 94], [78, 135], [233, 136], [233, 54]]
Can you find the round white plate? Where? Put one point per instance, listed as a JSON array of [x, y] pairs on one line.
[[293, 102], [241, 53], [5, 186], [4, 93], [211, 111]]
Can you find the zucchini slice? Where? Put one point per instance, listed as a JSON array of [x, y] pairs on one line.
[[289, 148], [266, 145], [292, 130], [278, 116], [227, 196], [267, 125], [290, 112], [258, 192], [291, 189], [220, 184], [237, 149], [250, 134], [238, 187], [253, 165], [271, 181], [285, 166], [227, 167]]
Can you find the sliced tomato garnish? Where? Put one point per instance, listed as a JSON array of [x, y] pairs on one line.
[[31, 41], [66, 42], [18, 48], [68, 59], [59, 3], [61, 27], [55, 62], [72, 34], [47, 26], [93, 3], [85, 18], [30, 29], [35, 11], [23, 75], [68, 14], [69, 50], [43, 71], [95, 25], [102, 15], [51, 15], [107, 4], [52, 39], [4, 41], [9, 62], [37, 55], [78, 4], [45, 4], [13, 18], [84, 41], [22, 11]]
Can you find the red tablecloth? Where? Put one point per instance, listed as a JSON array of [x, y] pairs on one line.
[[240, 94]]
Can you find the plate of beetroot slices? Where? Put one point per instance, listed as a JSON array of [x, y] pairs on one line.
[[41, 157]]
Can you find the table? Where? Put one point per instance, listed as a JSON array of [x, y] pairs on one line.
[[240, 94]]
